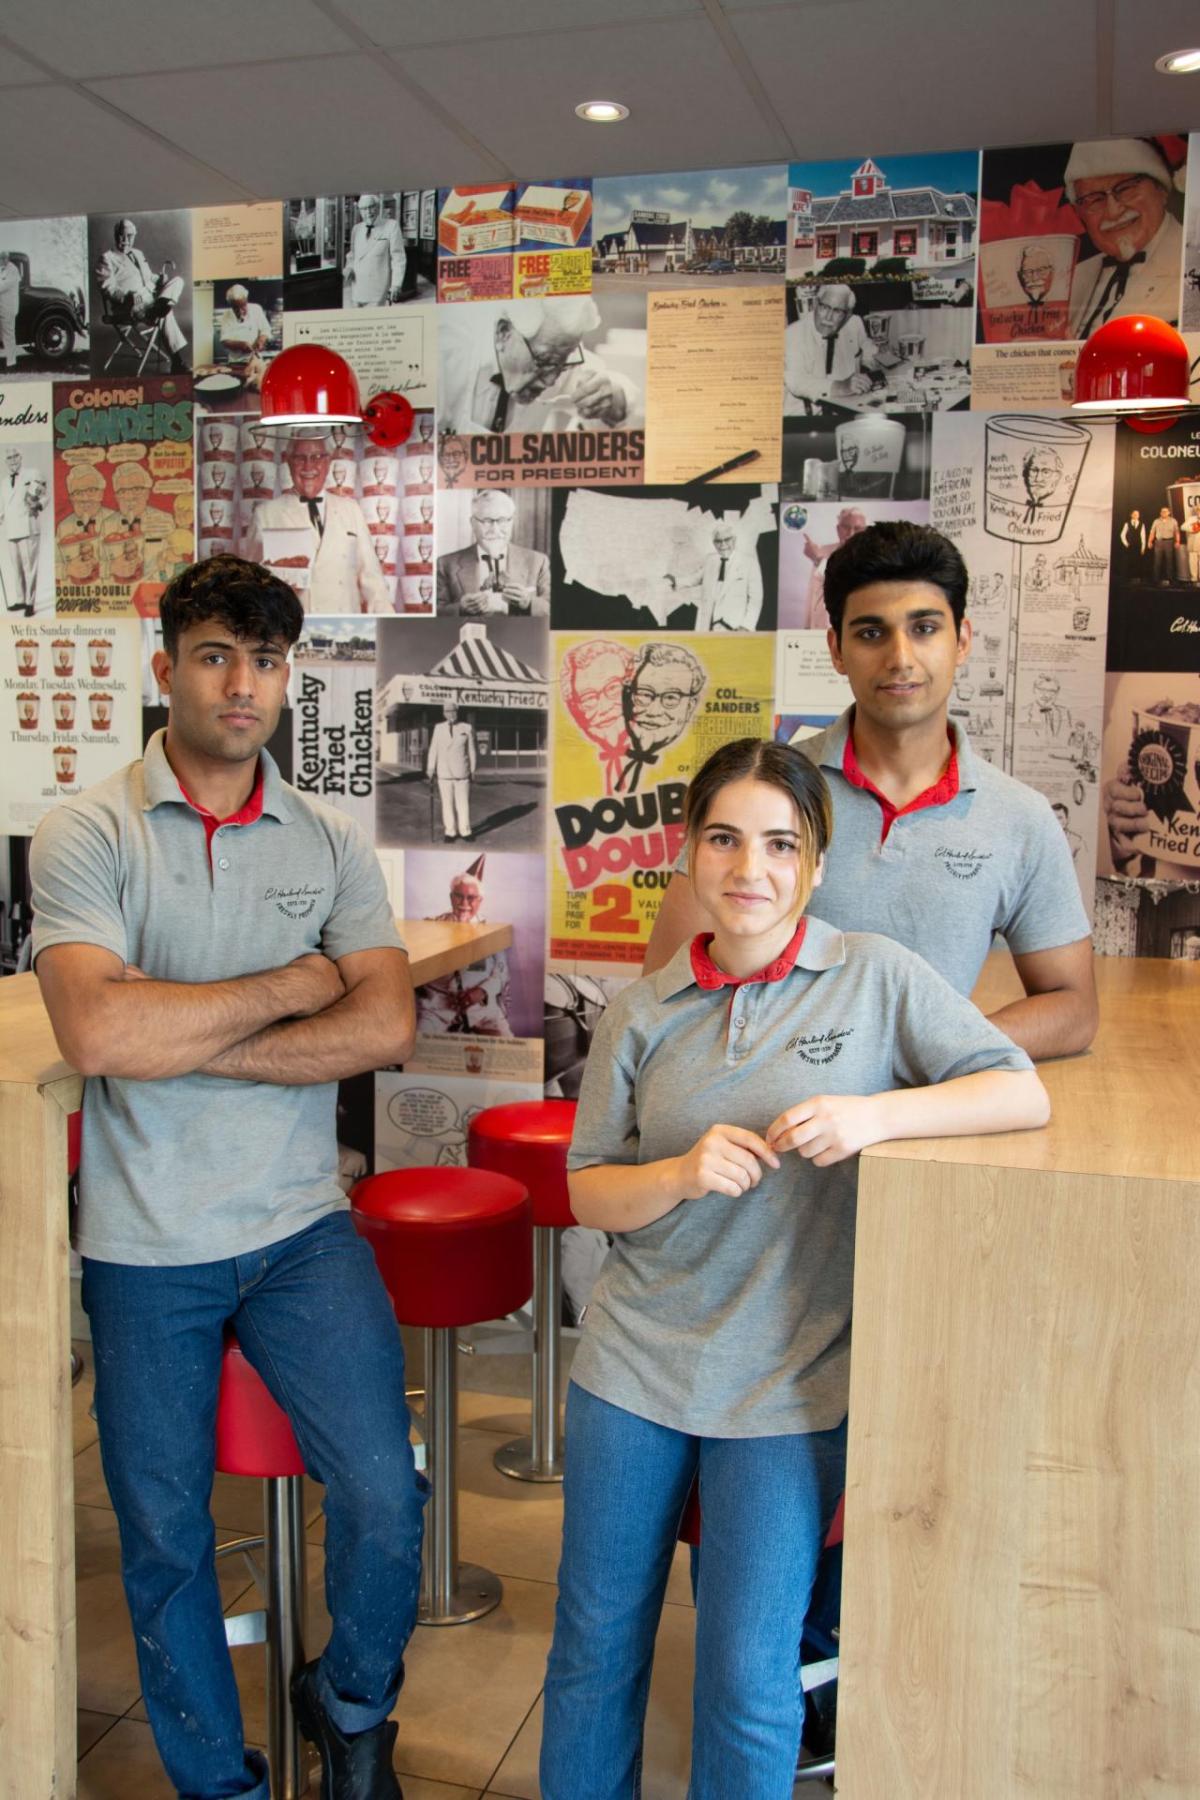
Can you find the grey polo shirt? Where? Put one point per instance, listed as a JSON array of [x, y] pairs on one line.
[[731, 1318], [195, 1168], [947, 877]]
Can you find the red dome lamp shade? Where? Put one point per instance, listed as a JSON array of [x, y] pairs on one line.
[[1131, 366], [310, 387]]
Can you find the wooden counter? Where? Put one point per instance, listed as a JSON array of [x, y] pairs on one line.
[[37, 1537], [1021, 1609]]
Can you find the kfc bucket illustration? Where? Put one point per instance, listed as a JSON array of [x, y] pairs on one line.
[[1164, 761], [101, 707], [64, 710], [27, 656], [1031, 470], [28, 707], [62, 652], [1026, 286], [64, 764], [100, 656]]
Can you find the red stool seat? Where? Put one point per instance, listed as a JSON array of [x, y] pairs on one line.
[[454, 1246], [528, 1140], [253, 1433]]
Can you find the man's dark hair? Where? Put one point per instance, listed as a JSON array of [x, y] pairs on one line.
[[895, 550], [241, 595]]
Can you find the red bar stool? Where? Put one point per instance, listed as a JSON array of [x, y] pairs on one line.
[[528, 1140], [255, 1438], [454, 1247]]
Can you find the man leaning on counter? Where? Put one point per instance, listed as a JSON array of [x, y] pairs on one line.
[[215, 951]]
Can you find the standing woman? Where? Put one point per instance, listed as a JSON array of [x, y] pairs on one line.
[[718, 1336]]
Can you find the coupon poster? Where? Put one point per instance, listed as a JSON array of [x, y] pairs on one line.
[[633, 720], [72, 711], [123, 499], [333, 715]]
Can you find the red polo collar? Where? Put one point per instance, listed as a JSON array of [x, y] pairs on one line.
[[709, 976], [943, 790], [247, 815]]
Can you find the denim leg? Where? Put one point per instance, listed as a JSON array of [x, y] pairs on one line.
[[317, 1324], [156, 1340], [767, 1505], [626, 1483]]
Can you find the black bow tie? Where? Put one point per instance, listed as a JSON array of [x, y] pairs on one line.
[[1113, 291]]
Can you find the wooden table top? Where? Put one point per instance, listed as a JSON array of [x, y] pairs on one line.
[[29, 1055], [1124, 1107]]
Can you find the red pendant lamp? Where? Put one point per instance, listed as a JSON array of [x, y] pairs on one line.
[[310, 387], [1131, 367]]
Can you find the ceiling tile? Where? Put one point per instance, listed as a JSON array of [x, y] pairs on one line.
[[928, 75], [15, 71], [324, 127], [688, 106], [1143, 100], [125, 37], [401, 24], [91, 161]]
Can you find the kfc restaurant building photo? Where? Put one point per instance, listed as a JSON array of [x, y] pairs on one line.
[[600, 901]]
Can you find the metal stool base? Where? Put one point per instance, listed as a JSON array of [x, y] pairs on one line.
[[517, 1460], [475, 1592]]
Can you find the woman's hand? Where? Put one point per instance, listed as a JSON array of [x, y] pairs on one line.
[[828, 1127], [727, 1160]]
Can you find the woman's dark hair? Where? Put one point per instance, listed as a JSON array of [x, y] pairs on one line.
[[241, 595], [895, 550], [778, 765]]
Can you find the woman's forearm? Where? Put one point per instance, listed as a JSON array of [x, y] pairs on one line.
[[994, 1100], [625, 1196]]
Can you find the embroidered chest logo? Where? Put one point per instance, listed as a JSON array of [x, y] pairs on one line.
[[964, 865], [294, 902], [820, 1046]]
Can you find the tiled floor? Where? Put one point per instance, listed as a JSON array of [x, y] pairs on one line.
[[470, 1714]]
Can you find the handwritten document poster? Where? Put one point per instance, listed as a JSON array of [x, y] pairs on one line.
[[714, 374]]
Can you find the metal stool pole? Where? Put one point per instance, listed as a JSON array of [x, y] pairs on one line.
[[452, 1593], [540, 1457], [284, 1510]]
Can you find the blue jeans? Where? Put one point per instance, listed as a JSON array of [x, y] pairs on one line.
[[312, 1315], [767, 1503]]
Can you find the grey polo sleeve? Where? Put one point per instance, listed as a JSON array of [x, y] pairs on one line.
[[1048, 909], [361, 917], [76, 886], [606, 1127], [937, 1033]]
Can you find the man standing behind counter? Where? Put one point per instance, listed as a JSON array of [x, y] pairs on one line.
[[215, 951], [931, 845]]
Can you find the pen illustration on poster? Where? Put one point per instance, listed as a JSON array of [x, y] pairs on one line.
[[1026, 497], [656, 559], [74, 714], [634, 717], [123, 492], [881, 283]]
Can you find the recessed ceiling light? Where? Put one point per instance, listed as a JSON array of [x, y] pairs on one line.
[[602, 112], [1179, 62]]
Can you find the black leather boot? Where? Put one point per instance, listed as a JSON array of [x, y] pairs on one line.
[[352, 1768]]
